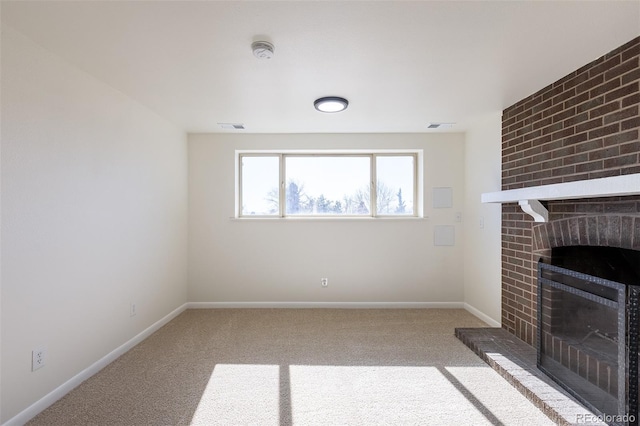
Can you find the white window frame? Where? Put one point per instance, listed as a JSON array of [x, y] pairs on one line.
[[282, 155]]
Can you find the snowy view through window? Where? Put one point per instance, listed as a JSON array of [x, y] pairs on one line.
[[327, 185]]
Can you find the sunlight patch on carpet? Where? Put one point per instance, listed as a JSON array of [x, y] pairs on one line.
[[380, 395], [377, 395], [240, 394]]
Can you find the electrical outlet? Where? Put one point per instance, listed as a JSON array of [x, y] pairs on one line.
[[133, 309], [38, 358], [458, 216], [324, 282]]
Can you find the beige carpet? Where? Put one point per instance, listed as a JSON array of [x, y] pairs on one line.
[[299, 367]]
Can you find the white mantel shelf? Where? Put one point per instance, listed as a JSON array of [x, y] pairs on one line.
[[529, 198]]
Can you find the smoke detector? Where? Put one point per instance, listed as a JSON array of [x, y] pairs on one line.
[[262, 49]]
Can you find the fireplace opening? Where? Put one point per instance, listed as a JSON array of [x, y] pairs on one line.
[[588, 303], [611, 263]]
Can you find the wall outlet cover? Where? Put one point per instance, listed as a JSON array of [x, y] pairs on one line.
[[38, 358]]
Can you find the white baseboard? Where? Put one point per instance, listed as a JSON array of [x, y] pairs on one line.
[[484, 317], [347, 305], [330, 305], [38, 406]]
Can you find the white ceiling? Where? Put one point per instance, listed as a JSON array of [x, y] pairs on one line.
[[401, 64]]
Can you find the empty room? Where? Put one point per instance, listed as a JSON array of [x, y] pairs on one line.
[[319, 212]]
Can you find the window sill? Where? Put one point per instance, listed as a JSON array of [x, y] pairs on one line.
[[328, 219]]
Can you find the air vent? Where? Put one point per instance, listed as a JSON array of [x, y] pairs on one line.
[[232, 126], [440, 125]]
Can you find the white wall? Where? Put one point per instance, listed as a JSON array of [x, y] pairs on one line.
[[482, 266], [283, 260], [94, 199], [0, 229]]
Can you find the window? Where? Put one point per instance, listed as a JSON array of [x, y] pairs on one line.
[[260, 182], [318, 184]]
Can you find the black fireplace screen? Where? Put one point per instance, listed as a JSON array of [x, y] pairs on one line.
[[588, 339]]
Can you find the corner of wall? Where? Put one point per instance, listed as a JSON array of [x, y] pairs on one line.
[[482, 282]]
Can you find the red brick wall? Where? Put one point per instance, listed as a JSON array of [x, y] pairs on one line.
[[584, 126]]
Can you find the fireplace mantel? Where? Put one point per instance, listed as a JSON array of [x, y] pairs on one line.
[[529, 198]]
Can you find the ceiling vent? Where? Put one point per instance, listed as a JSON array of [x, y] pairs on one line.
[[440, 125], [232, 126]]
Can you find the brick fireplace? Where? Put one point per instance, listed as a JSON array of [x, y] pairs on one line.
[[584, 126]]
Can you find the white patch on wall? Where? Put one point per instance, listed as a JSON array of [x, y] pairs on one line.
[[442, 198], [444, 235]]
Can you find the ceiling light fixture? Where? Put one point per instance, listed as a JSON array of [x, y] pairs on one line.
[[331, 104]]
